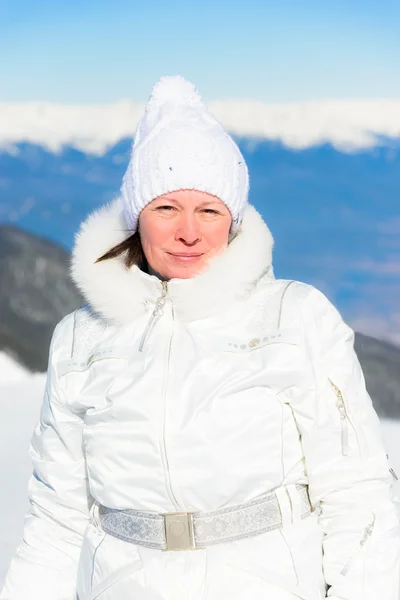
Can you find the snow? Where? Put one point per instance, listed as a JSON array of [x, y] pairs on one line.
[[10, 371], [347, 124], [20, 400]]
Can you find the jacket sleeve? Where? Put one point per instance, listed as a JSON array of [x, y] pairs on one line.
[[350, 483], [45, 564]]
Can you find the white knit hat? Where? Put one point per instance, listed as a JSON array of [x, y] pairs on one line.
[[180, 145]]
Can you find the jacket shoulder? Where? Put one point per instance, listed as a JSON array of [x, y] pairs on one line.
[[78, 332], [302, 302], [292, 292], [321, 321], [302, 293], [62, 334], [88, 328]]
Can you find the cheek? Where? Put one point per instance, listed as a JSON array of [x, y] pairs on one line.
[[217, 239], [154, 240], [153, 236]]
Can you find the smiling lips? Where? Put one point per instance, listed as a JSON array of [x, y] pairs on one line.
[[185, 257]]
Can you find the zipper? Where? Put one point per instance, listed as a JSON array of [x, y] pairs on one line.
[[366, 536], [163, 445], [155, 315], [344, 418]]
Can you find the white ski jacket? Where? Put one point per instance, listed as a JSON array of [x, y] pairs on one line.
[[240, 384]]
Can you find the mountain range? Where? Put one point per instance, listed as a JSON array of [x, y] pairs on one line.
[[35, 293]]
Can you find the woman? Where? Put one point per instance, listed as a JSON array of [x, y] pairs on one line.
[[205, 431]]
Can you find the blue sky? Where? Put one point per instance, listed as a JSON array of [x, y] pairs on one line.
[[105, 50]]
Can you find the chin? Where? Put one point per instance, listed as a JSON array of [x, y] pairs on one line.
[[186, 272], [183, 273]]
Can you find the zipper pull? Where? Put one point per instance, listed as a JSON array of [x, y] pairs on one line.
[[155, 315], [392, 471], [367, 534], [345, 434]]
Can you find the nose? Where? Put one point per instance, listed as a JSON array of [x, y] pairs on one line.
[[188, 230]]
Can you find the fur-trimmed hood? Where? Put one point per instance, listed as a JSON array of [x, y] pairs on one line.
[[120, 294]]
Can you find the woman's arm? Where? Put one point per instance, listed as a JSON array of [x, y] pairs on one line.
[[346, 462], [45, 564]]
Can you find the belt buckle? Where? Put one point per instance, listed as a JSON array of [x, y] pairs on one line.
[[179, 533]]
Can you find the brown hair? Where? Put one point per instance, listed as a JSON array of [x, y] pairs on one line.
[[132, 246]]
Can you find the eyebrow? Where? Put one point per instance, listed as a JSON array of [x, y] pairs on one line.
[[164, 199], [204, 203]]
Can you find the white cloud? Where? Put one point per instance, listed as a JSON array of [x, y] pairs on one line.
[[383, 328], [347, 124]]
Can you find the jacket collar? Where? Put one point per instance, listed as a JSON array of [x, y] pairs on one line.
[[120, 295]]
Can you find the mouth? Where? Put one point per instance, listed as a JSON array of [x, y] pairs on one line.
[[186, 257]]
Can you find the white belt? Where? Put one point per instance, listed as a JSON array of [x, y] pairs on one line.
[[189, 531]]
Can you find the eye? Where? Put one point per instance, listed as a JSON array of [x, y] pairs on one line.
[[211, 211], [166, 207]]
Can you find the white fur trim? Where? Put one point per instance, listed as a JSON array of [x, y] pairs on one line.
[[121, 294]]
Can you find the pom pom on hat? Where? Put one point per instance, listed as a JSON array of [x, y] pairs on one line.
[[179, 145], [174, 89]]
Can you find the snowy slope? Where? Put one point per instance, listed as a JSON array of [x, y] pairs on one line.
[[20, 400]]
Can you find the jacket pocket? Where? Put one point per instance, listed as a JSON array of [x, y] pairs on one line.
[[114, 579], [92, 541], [360, 548], [90, 381], [109, 562], [304, 540]]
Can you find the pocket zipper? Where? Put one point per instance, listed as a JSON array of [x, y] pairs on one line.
[[366, 536], [344, 418], [392, 471]]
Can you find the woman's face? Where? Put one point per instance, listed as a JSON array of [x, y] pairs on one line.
[[181, 231]]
